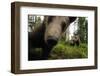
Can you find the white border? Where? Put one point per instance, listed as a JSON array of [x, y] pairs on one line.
[[25, 64]]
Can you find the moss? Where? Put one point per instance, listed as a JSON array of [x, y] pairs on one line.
[[65, 51]]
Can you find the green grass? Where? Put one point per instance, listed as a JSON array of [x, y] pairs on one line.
[[65, 51]]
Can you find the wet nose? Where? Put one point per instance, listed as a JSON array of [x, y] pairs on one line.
[[52, 41]]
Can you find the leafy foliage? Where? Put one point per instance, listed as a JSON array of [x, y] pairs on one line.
[[83, 29]]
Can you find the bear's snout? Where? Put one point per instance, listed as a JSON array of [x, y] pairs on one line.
[[52, 41]]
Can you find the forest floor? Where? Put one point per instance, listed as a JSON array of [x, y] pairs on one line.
[[64, 51]]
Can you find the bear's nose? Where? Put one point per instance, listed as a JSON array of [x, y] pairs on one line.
[[52, 41]]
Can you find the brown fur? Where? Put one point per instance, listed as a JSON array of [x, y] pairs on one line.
[[47, 34], [75, 40]]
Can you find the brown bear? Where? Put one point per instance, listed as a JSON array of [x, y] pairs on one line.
[[47, 34], [75, 40]]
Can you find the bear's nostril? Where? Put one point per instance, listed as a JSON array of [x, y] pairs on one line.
[[51, 42]]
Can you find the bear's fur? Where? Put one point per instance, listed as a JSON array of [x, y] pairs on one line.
[[47, 34]]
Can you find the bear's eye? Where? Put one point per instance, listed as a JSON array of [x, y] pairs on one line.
[[63, 25]]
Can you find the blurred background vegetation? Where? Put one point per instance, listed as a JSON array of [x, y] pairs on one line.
[[64, 50]]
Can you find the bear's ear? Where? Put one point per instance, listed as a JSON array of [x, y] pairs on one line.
[[72, 19]]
